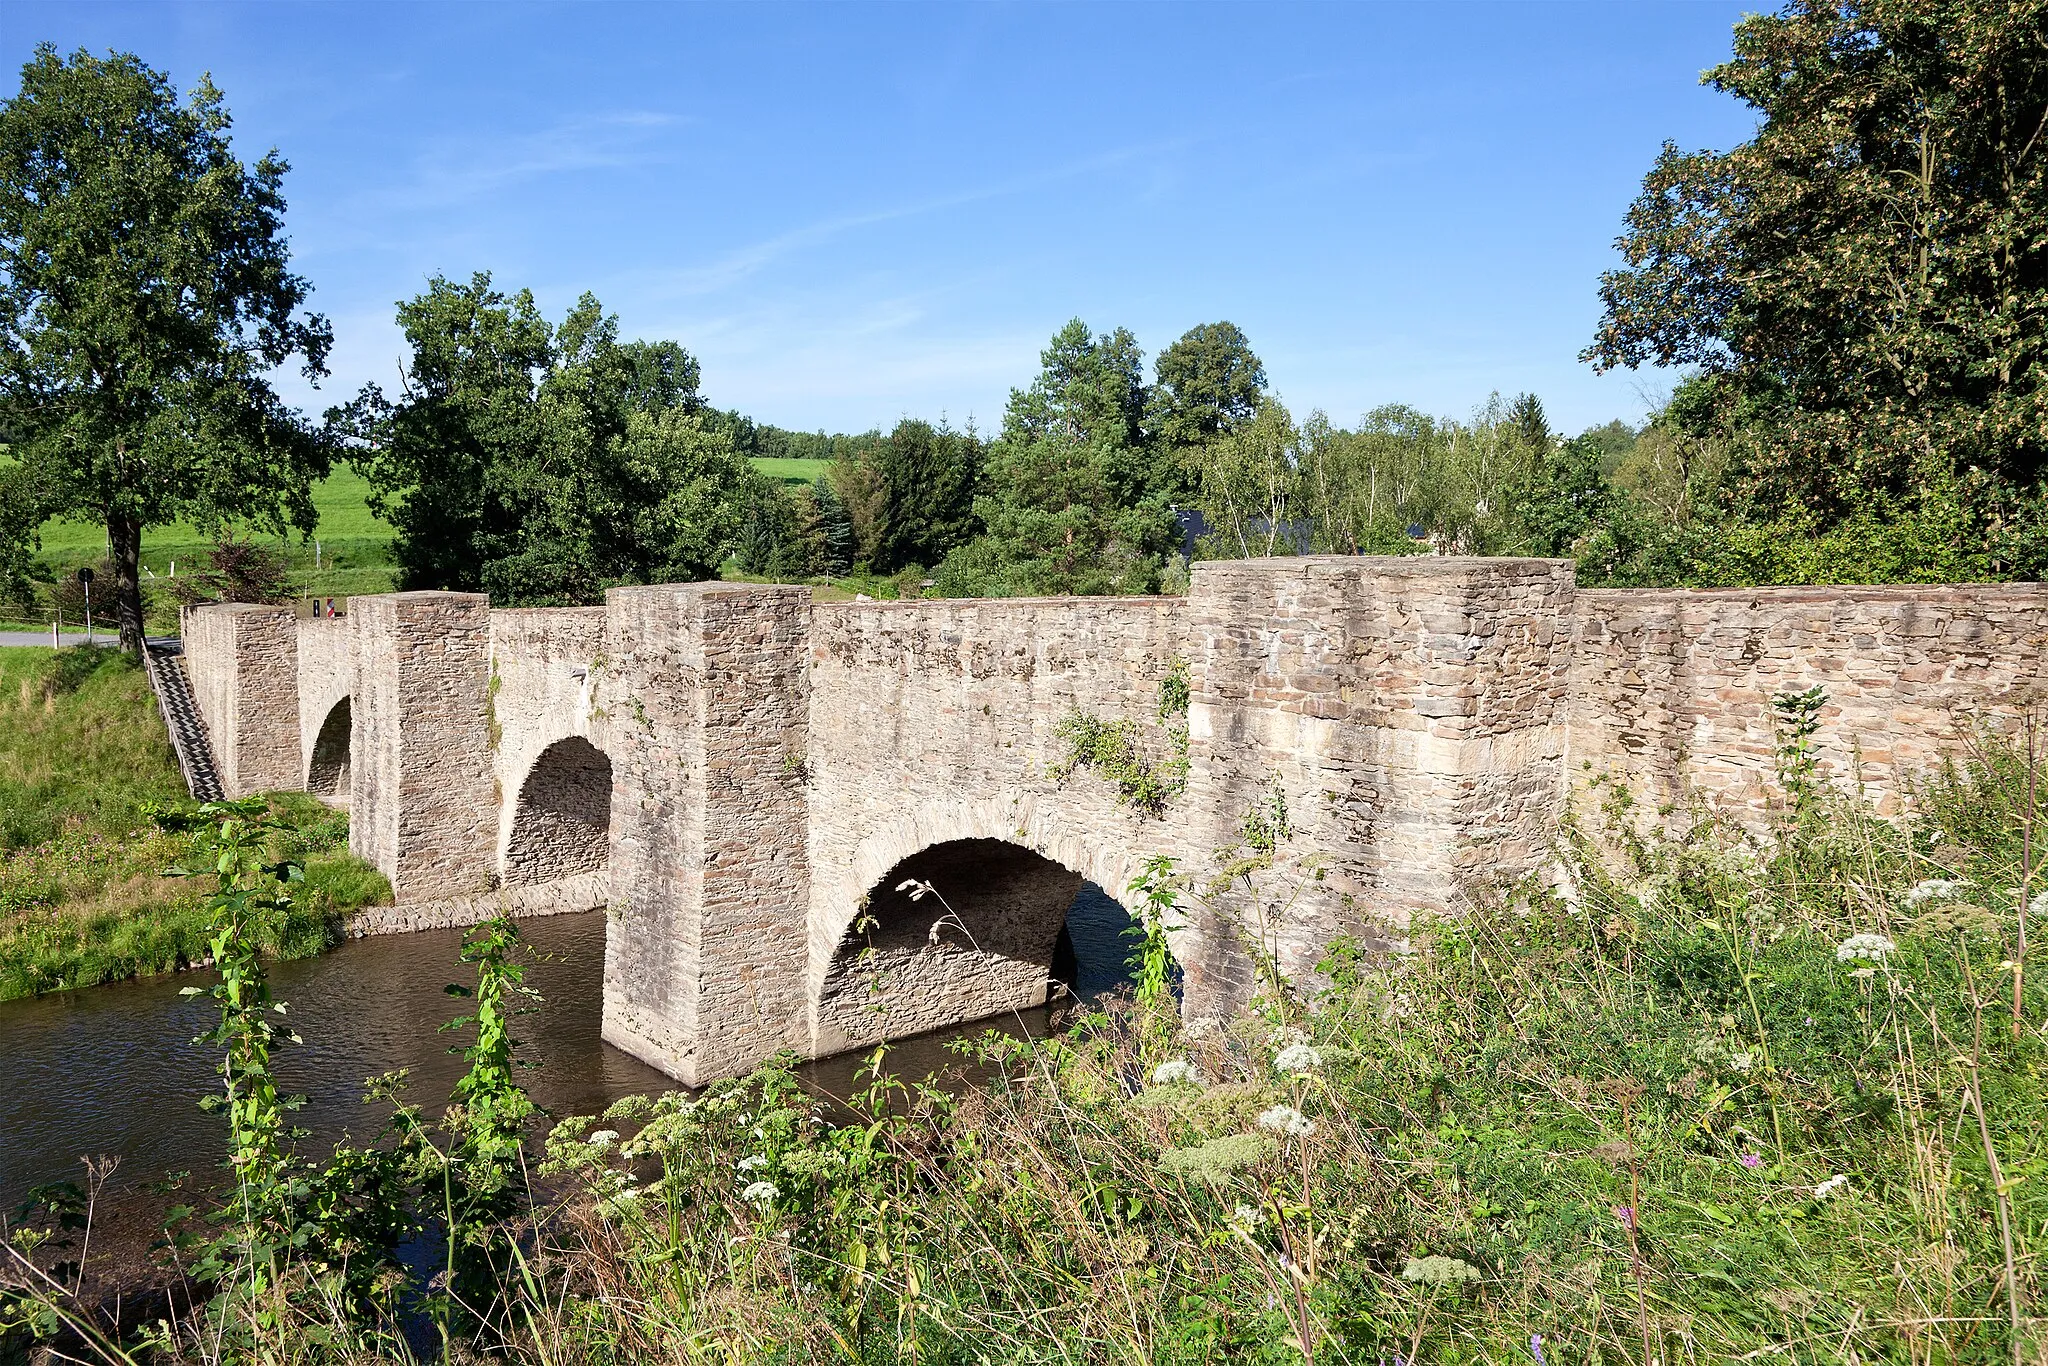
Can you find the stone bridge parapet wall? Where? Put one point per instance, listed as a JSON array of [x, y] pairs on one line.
[[1401, 728], [1672, 689]]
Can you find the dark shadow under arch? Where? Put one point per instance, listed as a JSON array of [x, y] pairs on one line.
[[990, 936], [562, 823], [327, 772]]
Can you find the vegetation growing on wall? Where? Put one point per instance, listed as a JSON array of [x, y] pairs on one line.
[[1116, 750]]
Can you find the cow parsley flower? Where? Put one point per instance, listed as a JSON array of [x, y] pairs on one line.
[[1931, 889], [760, 1194], [747, 1164], [1829, 1186], [1178, 1072], [603, 1138], [1285, 1119], [1295, 1058], [1873, 947], [1439, 1271]]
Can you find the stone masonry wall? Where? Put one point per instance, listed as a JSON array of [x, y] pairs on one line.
[[423, 807], [933, 721], [772, 764], [243, 662], [327, 671], [561, 821], [926, 963], [1671, 691], [1407, 711], [541, 692], [705, 687]]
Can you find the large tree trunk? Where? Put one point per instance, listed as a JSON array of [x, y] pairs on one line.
[[124, 545]]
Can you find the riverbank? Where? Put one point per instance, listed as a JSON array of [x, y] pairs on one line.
[[89, 802], [1739, 1095]]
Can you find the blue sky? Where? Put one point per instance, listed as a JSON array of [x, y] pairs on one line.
[[852, 213]]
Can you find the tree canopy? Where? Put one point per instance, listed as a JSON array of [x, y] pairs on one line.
[[1863, 283], [543, 463], [145, 295]]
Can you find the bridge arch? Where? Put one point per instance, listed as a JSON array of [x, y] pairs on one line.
[[328, 766], [887, 963], [560, 823]]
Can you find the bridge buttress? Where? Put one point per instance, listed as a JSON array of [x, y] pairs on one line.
[[1408, 713], [422, 803], [243, 660], [705, 689]]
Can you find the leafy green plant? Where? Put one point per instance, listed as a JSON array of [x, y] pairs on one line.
[[1797, 718], [299, 1242]]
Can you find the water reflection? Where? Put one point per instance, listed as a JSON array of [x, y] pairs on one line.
[[113, 1070]]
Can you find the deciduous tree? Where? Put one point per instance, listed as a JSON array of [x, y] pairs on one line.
[[145, 296], [1865, 279]]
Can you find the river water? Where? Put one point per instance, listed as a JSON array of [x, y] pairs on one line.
[[113, 1071]]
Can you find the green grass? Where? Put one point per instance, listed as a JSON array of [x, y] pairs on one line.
[[791, 471], [85, 772], [354, 554], [1664, 1119]]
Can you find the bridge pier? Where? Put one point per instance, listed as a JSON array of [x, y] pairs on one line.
[[705, 688], [422, 802]]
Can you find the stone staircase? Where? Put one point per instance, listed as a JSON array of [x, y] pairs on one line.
[[165, 663]]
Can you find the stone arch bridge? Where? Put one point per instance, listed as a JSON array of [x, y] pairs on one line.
[[745, 777]]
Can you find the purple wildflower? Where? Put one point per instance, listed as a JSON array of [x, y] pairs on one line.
[[1536, 1348], [1750, 1160], [1627, 1215]]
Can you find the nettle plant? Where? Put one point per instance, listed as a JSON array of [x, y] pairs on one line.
[[297, 1240]]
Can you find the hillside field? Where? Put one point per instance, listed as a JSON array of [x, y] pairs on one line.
[[354, 545]]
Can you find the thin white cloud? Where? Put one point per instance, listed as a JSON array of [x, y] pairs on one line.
[[742, 263], [454, 172]]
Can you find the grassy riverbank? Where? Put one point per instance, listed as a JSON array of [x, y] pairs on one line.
[[1685, 1115], [85, 770], [1732, 1098]]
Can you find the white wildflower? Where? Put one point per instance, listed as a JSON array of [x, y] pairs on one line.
[[1867, 946], [747, 1164], [761, 1194], [603, 1138], [1742, 1061], [1829, 1187], [2039, 905], [1439, 1271], [1298, 1057], [1247, 1216], [1285, 1119], [1931, 889], [1178, 1072]]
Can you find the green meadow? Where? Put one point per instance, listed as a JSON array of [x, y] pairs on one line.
[[349, 553]]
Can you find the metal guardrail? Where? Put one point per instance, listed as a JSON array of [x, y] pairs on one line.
[[173, 689]]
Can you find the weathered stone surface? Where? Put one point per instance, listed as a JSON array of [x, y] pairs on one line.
[[747, 773], [242, 659], [1672, 690], [422, 803], [581, 892]]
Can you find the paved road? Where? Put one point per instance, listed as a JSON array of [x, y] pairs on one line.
[[73, 638]]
